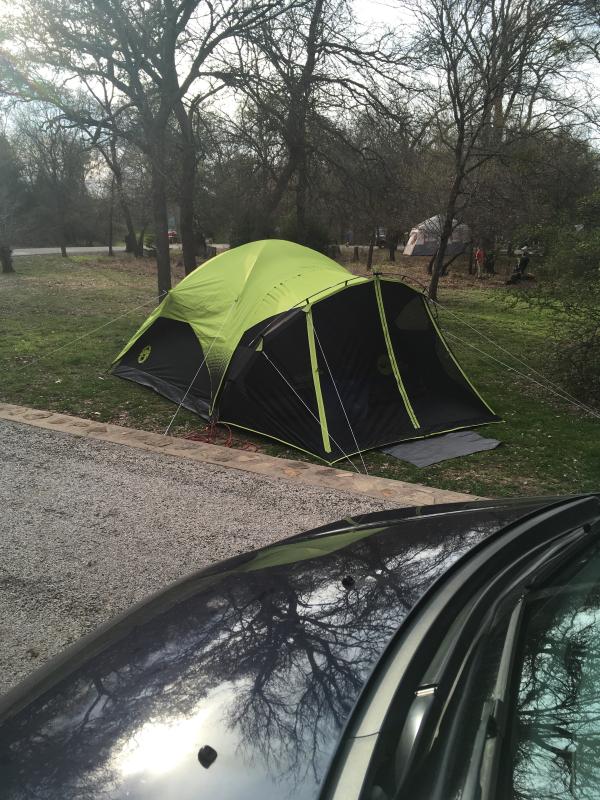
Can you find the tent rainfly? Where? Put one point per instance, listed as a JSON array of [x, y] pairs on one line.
[[424, 238], [277, 339]]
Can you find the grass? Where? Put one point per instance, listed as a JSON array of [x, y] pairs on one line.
[[48, 360]]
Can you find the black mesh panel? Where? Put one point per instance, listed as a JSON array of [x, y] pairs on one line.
[[441, 397], [166, 358], [258, 392], [353, 362]]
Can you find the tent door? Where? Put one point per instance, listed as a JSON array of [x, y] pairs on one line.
[[392, 356]]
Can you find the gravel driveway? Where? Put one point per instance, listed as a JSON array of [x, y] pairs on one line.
[[87, 528]]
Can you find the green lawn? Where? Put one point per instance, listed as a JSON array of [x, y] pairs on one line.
[[548, 445]]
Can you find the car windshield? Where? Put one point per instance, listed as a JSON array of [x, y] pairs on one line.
[[556, 726], [537, 739]]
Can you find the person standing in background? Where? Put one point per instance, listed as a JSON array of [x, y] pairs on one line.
[[480, 259], [523, 261]]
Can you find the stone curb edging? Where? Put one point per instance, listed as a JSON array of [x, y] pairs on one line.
[[399, 492]]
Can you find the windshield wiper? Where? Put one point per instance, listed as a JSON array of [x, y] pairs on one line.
[[482, 774]]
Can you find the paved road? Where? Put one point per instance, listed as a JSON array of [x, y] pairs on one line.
[[55, 251], [74, 251], [87, 528]]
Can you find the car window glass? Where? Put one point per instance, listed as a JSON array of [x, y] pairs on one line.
[[556, 729]]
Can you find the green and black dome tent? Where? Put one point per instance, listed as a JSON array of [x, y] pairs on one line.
[[277, 339]]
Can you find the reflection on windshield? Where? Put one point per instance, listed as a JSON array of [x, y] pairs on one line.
[[558, 707]]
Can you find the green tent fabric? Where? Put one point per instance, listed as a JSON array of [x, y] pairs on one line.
[[240, 288], [278, 339]]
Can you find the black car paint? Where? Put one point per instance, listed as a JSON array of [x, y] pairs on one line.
[[262, 665]]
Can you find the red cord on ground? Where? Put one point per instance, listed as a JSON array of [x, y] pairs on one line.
[[213, 433]]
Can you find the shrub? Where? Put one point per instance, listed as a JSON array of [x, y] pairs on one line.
[[568, 282], [317, 234], [578, 360]]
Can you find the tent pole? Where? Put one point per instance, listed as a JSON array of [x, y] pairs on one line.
[[316, 379], [395, 369], [340, 399]]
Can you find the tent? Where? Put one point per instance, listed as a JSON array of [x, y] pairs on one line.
[[280, 340], [424, 238]]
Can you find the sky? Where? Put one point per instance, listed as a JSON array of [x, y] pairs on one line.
[[385, 12]]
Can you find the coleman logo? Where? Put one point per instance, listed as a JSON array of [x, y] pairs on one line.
[[144, 354]]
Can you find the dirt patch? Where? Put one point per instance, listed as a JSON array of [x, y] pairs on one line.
[[414, 270]]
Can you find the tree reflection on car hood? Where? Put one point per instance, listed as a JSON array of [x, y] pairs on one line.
[[261, 660]]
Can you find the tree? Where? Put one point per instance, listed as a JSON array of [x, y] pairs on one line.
[[309, 65], [153, 57], [586, 21], [12, 194], [112, 150], [374, 165], [234, 178], [568, 288], [489, 72], [55, 162]]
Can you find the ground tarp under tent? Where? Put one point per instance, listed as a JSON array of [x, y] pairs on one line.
[[277, 339], [435, 449], [424, 238]]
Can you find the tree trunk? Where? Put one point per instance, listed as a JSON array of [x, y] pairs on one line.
[[392, 249], [186, 216], [370, 255], [438, 264], [274, 199], [110, 217], [131, 243], [446, 266], [6, 259], [161, 221], [187, 185], [139, 243], [431, 262], [301, 198], [63, 249]]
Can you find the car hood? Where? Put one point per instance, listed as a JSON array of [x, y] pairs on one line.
[[260, 658]]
